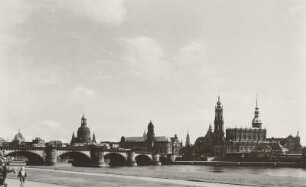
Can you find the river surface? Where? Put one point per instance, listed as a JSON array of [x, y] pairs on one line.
[[242, 176]]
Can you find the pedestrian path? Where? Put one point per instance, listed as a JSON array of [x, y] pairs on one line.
[[16, 183], [140, 179]]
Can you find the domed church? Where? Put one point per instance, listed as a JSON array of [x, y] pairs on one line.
[[83, 134], [18, 139]]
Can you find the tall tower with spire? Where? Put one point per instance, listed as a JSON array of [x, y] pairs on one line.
[[94, 138], [218, 123], [72, 139], [187, 144], [150, 137], [256, 122]]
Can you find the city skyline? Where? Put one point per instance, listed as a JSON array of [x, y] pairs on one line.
[[168, 136], [142, 60]]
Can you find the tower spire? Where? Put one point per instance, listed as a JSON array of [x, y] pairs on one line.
[[256, 122], [187, 144]]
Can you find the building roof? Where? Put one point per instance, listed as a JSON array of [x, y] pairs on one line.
[[135, 139], [143, 139], [161, 139]]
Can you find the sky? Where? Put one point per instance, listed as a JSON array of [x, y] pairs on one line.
[[123, 63]]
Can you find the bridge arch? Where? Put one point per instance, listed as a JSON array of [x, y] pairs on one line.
[[178, 158], [77, 158], [163, 160], [115, 159], [32, 158], [143, 160]]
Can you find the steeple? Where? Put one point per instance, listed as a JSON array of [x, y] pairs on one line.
[[187, 144], [94, 138], [72, 139], [210, 127], [218, 122], [256, 122]]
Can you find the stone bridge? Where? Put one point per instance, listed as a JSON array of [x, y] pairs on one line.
[[91, 155]]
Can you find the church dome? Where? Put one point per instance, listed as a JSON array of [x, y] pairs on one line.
[[83, 134], [256, 120], [18, 138]]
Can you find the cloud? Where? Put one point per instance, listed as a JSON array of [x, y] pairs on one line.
[[148, 59], [81, 92], [145, 57], [102, 11], [193, 57]]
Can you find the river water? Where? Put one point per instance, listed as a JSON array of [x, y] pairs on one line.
[[214, 174]]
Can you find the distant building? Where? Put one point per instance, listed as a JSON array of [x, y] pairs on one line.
[[291, 143], [243, 140], [2, 141], [55, 143], [204, 145], [151, 143], [18, 139], [213, 142], [175, 145], [83, 134], [187, 144], [38, 142]]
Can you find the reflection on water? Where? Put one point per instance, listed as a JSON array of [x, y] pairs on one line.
[[234, 175]]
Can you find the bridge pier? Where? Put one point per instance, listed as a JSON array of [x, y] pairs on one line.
[[97, 158], [155, 159], [51, 156], [131, 158], [170, 158]]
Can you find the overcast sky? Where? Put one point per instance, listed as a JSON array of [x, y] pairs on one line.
[[126, 62]]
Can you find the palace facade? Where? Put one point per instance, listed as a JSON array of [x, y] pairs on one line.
[[239, 140], [243, 140], [151, 143], [292, 143]]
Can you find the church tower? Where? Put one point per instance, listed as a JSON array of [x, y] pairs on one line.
[[256, 122], [150, 137], [94, 141], [187, 144], [218, 123], [72, 139]]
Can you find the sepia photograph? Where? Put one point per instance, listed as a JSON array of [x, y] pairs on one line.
[[152, 93]]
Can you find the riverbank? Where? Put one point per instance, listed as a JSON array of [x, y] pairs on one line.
[[168, 175], [240, 164], [16, 183]]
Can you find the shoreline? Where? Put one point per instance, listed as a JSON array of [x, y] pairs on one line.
[[170, 176], [240, 164], [156, 181]]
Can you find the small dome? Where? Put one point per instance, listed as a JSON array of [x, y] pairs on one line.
[[18, 137], [256, 120]]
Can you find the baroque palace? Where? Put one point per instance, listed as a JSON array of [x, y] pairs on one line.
[[241, 141], [151, 143]]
